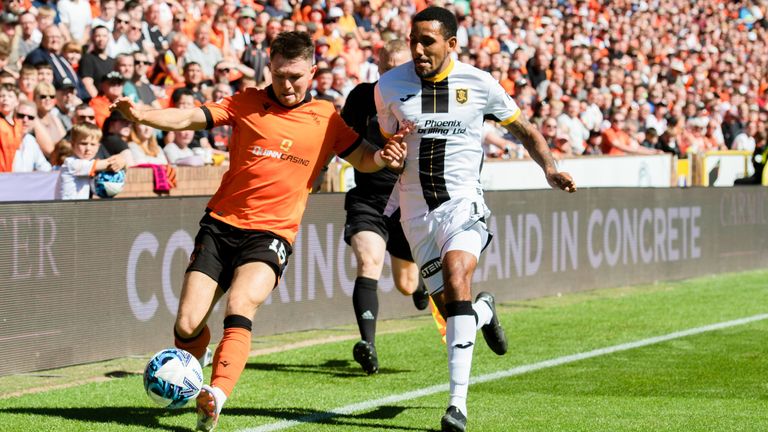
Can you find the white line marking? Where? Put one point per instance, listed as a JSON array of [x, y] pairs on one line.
[[520, 370], [30, 335]]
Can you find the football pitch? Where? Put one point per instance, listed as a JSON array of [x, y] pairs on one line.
[[679, 356]]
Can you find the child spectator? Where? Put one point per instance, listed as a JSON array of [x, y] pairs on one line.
[[27, 81], [44, 73], [77, 170], [651, 139], [73, 52]]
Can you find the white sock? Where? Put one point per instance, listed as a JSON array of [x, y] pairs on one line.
[[220, 397], [484, 313], [460, 341]]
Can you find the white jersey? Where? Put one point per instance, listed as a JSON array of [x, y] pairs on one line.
[[445, 151]]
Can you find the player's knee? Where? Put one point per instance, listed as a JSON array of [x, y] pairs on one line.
[[458, 286], [369, 266], [406, 284], [245, 303], [186, 327]]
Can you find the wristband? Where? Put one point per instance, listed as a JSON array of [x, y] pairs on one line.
[[378, 160]]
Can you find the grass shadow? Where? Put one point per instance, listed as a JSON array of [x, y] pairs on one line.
[[335, 367], [369, 420], [130, 416]]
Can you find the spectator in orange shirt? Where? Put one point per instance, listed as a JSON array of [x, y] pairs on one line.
[[353, 55], [282, 138], [11, 131], [111, 89], [616, 141]]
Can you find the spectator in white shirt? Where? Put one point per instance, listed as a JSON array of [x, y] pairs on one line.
[[592, 116], [577, 132], [746, 139], [75, 16], [657, 120], [107, 17], [144, 147], [202, 51], [30, 34], [178, 152]]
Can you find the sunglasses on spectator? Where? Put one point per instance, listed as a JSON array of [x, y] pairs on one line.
[[179, 20], [86, 117], [25, 116], [123, 21], [143, 62], [46, 96], [224, 70]]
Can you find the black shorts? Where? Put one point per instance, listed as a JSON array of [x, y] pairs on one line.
[[364, 218], [220, 248]]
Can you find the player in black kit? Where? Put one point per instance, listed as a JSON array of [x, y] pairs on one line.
[[367, 230]]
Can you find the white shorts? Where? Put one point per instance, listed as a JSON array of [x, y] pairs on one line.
[[458, 224]]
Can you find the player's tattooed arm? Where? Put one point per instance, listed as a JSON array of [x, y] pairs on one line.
[[533, 141], [537, 147]]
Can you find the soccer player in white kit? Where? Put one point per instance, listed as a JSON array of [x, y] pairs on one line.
[[439, 192]]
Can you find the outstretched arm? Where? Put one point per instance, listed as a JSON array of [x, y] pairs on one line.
[[537, 147], [366, 158], [168, 119]]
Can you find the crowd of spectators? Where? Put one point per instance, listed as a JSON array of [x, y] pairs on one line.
[[597, 77]]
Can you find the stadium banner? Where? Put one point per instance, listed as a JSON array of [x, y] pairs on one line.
[[722, 168], [84, 281], [32, 186], [594, 171]]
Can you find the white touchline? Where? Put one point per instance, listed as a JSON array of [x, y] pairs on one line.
[[520, 370]]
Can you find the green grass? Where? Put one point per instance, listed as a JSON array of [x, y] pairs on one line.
[[714, 381]]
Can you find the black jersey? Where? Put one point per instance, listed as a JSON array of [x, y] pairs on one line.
[[360, 114]]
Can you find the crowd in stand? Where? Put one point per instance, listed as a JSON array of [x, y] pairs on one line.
[[597, 77]]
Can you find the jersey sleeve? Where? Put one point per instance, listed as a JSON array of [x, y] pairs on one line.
[[223, 111], [501, 107], [353, 113], [387, 120], [80, 167], [346, 139]]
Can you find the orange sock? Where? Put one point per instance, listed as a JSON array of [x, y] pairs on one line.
[[439, 320], [195, 345], [230, 358]]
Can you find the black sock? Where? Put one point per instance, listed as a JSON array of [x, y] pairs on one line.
[[366, 303]]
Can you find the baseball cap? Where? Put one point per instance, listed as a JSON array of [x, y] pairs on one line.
[[335, 12], [115, 115], [65, 84], [247, 12], [9, 18], [114, 76]]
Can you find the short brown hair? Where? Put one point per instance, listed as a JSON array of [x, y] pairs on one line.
[[84, 130], [292, 45]]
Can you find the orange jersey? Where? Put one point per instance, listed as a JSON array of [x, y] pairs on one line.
[[275, 154], [10, 141]]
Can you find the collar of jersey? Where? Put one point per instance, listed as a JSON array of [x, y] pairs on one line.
[[273, 96], [442, 75]]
